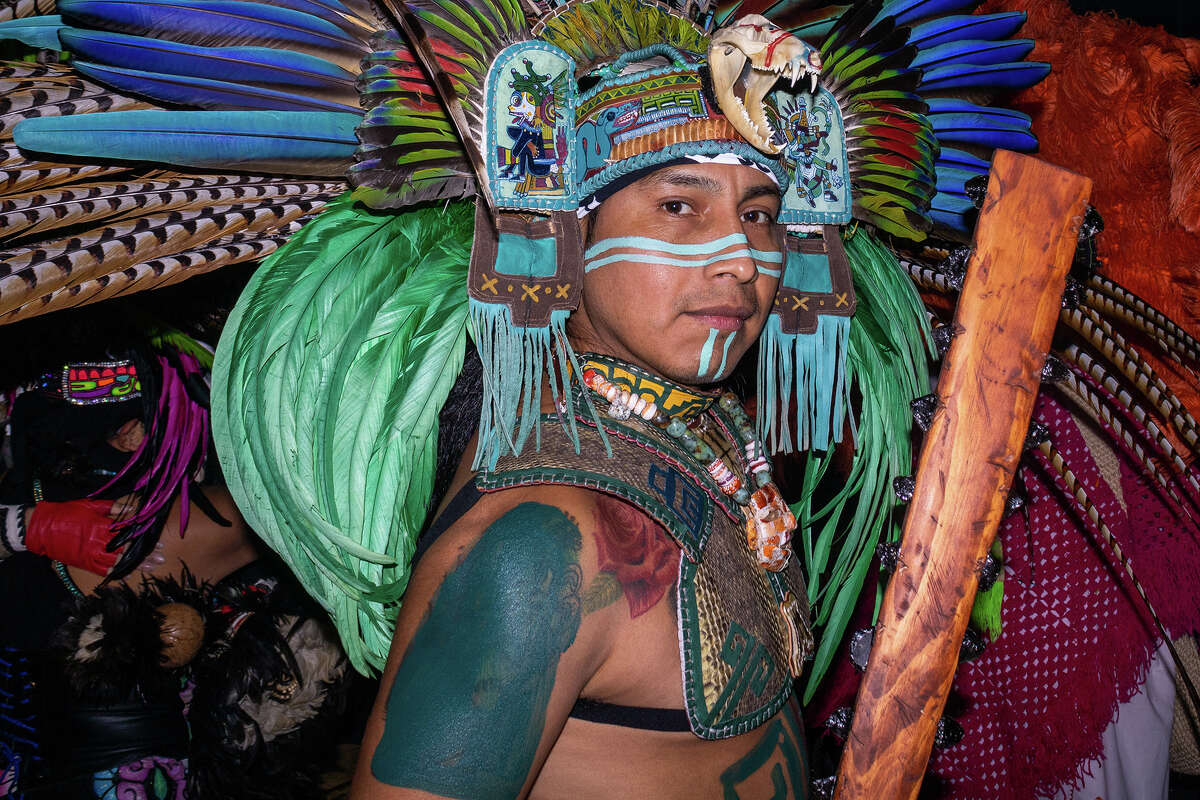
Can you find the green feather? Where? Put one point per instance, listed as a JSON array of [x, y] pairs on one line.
[[986, 612], [890, 348], [326, 391]]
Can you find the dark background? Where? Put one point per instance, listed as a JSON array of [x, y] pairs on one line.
[[1180, 17]]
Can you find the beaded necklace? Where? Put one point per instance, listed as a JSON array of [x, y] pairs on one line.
[[769, 521]]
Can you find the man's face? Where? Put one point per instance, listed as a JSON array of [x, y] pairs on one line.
[[681, 269]]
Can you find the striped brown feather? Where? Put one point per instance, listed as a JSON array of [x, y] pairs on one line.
[[1091, 401], [88, 104], [36, 213], [236, 248], [1073, 354], [116, 247], [1117, 351], [19, 174], [20, 9], [1118, 301]]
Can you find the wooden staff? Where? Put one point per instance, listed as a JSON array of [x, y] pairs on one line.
[[1007, 310]]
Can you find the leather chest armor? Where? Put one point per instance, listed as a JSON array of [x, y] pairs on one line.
[[743, 631]]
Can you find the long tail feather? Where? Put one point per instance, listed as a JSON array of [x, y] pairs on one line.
[[208, 94], [1135, 370], [296, 143], [258, 66], [1101, 404], [237, 248], [1111, 294], [220, 22], [26, 216]]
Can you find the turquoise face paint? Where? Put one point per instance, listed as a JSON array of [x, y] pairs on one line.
[[658, 251], [724, 356], [706, 352]]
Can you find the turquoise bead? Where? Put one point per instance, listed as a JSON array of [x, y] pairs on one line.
[[762, 478], [676, 428], [742, 497]]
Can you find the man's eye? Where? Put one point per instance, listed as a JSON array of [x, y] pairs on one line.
[[676, 207], [758, 217]]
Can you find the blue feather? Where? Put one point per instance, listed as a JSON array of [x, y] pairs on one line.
[[953, 158], [965, 130], [814, 31], [907, 12], [202, 93], [950, 210], [951, 105], [222, 22], [973, 51], [992, 27], [295, 143], [40, 33], [950, 180], [1011, 76], [298, 71], [960, 121]]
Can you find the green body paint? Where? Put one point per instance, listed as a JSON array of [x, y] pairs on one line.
[[780, 753], [467, 709]]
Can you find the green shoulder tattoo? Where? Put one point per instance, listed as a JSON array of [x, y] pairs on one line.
[[468, 705]]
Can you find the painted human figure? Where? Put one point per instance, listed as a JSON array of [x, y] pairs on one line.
[[537, 650], [531, 107], [814, 176]]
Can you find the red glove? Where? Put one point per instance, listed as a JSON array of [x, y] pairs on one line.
[[74, 533]]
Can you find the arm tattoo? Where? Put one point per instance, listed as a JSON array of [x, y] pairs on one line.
[[638, 552], [468, 705]]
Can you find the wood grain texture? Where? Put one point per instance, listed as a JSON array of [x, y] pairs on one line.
[[1006, 316]]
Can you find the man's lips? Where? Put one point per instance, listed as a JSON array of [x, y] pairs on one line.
[[723, 318]]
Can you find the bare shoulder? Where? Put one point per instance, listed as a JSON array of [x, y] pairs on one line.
[[530, 515]]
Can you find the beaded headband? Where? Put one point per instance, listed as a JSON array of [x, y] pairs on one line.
[[91, 382]]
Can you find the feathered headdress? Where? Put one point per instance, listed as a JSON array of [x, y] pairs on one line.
[[337, 358]]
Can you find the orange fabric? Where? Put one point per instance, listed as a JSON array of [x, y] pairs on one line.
[[1122, 106]]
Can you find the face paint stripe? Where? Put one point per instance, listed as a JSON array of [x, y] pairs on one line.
[[649, 258], [774, 273], [706, 352], [661, 246], [725, 355], [675, 249]]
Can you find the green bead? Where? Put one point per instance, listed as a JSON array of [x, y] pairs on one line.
[[676, 428], [742, 497], [762, 478], [729, 402]]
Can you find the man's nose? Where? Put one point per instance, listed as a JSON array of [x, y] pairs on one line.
[[735, 257]]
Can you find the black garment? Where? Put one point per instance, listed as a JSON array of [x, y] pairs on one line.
[[33, 601]]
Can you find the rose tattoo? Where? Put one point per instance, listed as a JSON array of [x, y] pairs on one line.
[[638, 552]]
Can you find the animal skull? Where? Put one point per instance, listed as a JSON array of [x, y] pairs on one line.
[[752, 55]]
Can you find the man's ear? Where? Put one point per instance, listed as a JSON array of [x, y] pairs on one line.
[[129, 436]]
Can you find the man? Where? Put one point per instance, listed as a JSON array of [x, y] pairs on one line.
[[610, 602], [507, 613]]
